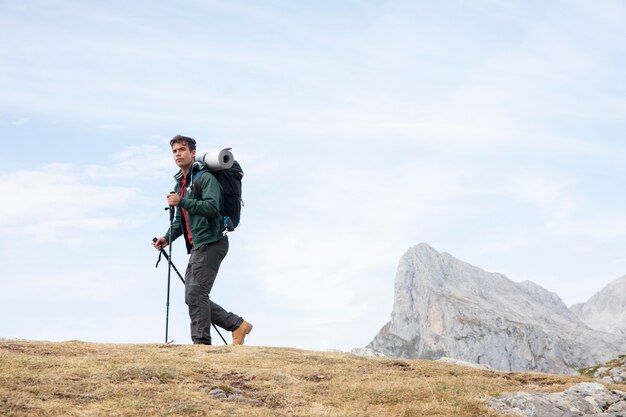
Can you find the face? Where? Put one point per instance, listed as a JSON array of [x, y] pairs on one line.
[[182, 155]]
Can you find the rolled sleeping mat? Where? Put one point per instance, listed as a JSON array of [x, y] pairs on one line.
[[218, 160]]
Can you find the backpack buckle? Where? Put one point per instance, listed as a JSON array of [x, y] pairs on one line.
[[228, 225]]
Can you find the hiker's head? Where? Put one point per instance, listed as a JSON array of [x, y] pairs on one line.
[[183, 151], [190, 142]]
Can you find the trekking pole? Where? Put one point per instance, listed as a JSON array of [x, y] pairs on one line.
[[167, 258], [162, 252], [172, 210]]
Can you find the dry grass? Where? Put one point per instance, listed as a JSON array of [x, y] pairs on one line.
[[81, 379]]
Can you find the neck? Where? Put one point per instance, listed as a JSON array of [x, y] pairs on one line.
[[185, 169]]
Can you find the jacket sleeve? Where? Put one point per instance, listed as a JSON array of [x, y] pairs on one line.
[[209, 203], [176, 226]]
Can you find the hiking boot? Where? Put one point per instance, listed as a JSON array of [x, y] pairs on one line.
[[239, 334]]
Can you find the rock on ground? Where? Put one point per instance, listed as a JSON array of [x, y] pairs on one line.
[[464, 363], [612, 371], [582, 400], [367, 352]]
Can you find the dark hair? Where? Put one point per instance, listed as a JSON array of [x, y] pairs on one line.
[[191, 142]]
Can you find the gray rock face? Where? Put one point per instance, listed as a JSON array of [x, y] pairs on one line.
[[606, 310], [582, 400], [612, 371], [366, 352], [444, 307], [463, 363]]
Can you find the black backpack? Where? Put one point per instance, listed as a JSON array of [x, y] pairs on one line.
[[230, 180]]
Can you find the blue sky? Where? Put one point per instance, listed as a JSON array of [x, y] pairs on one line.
[[492, 130]]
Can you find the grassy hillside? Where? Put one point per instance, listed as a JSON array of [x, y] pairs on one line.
[[82, 379]]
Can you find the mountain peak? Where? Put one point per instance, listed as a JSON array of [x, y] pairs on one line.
[[421, 249], [446, 307], [605, 310]]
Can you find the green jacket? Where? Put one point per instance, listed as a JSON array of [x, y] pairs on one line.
[[203, 210]]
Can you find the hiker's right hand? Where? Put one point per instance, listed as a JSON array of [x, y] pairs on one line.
[[160, 243]]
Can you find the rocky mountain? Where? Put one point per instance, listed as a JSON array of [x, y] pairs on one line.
[[606, 310], [444, 307]]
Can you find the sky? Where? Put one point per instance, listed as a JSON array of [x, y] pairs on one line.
[[492, 130]]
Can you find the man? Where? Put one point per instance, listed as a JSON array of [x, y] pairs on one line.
[[198, 219]]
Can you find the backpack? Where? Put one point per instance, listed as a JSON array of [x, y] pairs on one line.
[[230, 180]]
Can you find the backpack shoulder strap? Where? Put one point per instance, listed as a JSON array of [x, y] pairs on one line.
[[196, 188], [197, 174], [194, 183]]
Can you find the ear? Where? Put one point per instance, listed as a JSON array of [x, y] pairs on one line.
[[193, 153]]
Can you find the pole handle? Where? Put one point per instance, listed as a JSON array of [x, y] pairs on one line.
[[172, 210]]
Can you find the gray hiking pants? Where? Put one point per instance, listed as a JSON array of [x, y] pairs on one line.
[[204, 263]]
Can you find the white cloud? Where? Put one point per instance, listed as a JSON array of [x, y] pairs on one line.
[[552, 196], [137, 163], [564, 210], [605, 228], [299, 268], [55, 203], [20, 121]]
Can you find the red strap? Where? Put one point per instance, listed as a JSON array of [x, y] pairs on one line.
[[182, 194]]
